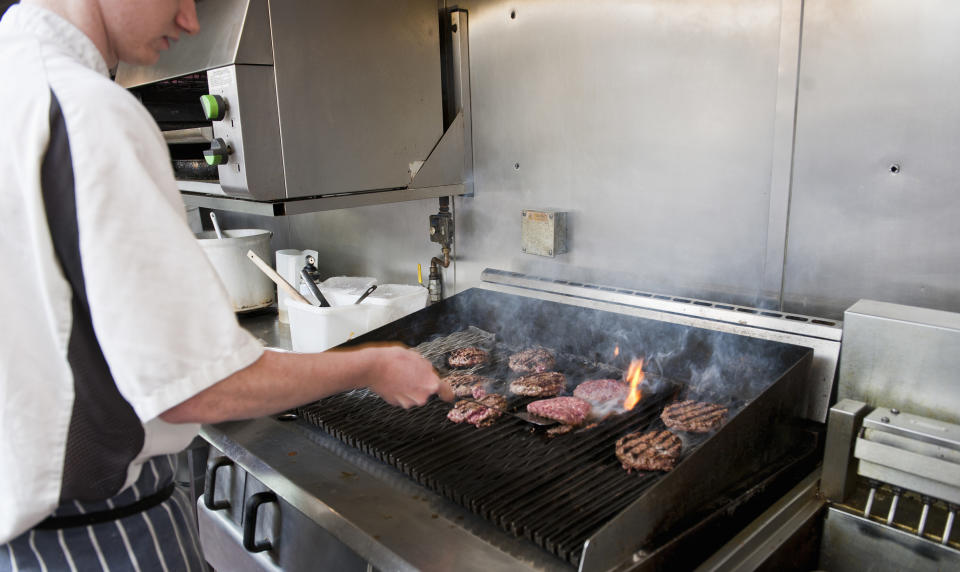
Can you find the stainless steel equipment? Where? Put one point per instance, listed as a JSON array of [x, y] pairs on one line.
[[335, 478], [317, 105], [889, 490]]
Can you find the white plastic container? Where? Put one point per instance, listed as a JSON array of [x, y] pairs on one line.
[[343, 290], [247, 286], [391, 302], [315, 329]]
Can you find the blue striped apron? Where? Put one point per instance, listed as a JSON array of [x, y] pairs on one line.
[[162, 538]]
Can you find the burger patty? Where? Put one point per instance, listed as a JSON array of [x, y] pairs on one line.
[[693, 416], [545, 384], [463, 384], [602, 390], [566, 410], [467, 357], [482, 413], [534, 360], [650, 451]]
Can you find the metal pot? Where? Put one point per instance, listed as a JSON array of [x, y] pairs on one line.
[[247, 286]]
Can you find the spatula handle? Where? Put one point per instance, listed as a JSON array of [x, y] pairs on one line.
[[272, 274]]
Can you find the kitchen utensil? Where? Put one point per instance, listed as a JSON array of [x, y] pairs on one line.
[[305, 273], [367, 293], [310, 265], [216, 225], [289, 261], [272, 274]]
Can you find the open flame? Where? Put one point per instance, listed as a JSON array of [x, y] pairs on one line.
[[634, 376], [616, 351]]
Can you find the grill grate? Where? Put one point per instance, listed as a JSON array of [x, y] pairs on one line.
[[555, 492]]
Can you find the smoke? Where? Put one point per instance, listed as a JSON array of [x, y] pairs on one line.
[[705, 365]]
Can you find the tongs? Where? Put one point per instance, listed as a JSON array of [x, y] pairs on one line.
[[310, 274], [312, 286]]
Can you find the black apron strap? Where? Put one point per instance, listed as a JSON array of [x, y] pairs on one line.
[[105, 434], [92, 518]]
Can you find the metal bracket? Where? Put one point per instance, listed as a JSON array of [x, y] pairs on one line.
[[843, 423]]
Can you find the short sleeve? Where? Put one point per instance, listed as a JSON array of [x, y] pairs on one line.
[[161, 315]]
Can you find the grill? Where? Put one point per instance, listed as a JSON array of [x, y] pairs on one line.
[[563, 491], [555, 492]]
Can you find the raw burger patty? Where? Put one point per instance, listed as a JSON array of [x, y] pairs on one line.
[[467, 357], [546, 384], [534, 360], [474, 413], [693, 416], [650, 451], [464, 383], [566, 410], [602, 390]]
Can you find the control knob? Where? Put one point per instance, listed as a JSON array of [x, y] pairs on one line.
[[214, 107], [218, 153]]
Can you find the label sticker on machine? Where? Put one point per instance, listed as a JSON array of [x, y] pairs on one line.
[[220, 78]]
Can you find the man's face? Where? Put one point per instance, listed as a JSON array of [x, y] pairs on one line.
[[138, 30]]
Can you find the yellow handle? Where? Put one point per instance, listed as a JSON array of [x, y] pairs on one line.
[[419, 275]]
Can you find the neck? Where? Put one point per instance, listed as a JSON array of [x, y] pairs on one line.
[[88, 18]]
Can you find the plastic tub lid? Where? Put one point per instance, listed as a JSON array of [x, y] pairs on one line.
[[350, 284]]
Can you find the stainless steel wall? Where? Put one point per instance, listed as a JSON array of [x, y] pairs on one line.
[[875, 211], [651, 122], [702, 149]]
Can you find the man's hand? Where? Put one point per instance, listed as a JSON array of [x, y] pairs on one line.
[[403, 377]]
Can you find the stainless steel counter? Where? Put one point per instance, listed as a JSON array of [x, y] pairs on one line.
[[266, 326], [375, 510]]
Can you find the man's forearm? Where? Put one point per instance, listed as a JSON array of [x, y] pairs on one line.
[[276, 382]]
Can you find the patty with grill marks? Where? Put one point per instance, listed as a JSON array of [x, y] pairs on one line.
[[650, 451], [545, 384], [533, 360], [467, 357], [693, 416], [463, 384], [481, 413]]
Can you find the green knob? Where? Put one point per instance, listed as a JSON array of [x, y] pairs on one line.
[[218, 153], [214, 107]]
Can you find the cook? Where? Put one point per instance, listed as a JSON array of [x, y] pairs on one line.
[[118, 338]]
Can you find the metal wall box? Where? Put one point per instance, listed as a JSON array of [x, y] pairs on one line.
[[901, 356], [543, 232]]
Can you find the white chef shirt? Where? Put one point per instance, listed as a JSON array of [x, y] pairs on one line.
[[161, 315]]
